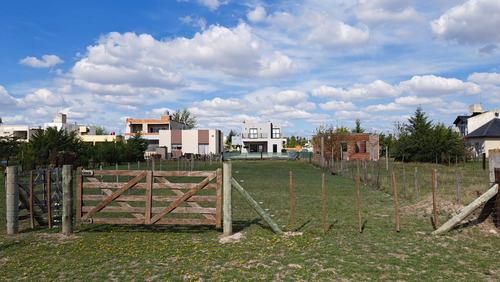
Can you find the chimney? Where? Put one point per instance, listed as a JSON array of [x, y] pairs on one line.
[[476, 109], [59, 118]]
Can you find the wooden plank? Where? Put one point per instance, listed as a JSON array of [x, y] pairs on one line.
[[218, 204], [115, 195], [179, 221], [49, 202], [492, 192], [36, 215], [256, 207], [32, 212], [184, 173], [122, 203], [148, 197], [79, 194], [183, 210], [183, 198], [169, 185], [132, 198], [189, 201]]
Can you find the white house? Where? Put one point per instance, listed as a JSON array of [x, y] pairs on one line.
[[260, 137], [21, 132], [481, 129], [59, 122]]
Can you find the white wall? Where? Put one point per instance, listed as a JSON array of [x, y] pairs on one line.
[[190, 141], [475, 122]]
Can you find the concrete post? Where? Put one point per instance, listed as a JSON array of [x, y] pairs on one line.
[[12, 200], [227, 205], [67, 205], [494, 159]]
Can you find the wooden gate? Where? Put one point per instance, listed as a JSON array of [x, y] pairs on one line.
[[149, 197], [40, 192]]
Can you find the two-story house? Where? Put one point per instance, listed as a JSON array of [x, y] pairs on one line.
[[175, 138], [261, 137], [150, 129], [481, 129], [60, 122]]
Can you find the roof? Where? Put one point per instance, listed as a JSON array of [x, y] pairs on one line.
[[489, 129], [461, 119]]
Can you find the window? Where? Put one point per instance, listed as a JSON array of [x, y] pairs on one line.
[[176, 147], [157, 129], [276, 133], [253, 133], [463, 129]]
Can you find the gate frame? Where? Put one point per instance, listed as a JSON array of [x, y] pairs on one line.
[[84, 215]]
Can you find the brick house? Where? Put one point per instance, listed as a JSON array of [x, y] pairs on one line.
[[355, 146]]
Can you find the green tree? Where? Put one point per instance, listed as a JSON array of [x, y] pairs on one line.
[[101, 130], [358, 128], [48, 143], [186, 117], [420, 141], [9, 147], [135, 148]]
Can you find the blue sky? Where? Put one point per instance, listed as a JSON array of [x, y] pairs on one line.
[[299, 63]]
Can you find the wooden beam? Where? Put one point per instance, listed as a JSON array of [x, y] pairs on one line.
[[492, 192], [256, 207]]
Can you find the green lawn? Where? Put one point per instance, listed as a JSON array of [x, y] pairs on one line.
[[118, 252]]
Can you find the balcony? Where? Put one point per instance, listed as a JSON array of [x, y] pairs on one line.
[[260, 136]]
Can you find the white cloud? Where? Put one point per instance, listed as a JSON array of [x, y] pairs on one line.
[[485, 78], [475, 21], [211, 4], [45, 62], [359, 92], [337, 106], [332, 33], [194, 21], [131, 64], [5, 98], [44, 97], [391, 107], [231, 104], [383, 11], [430, 85], [257, 15]]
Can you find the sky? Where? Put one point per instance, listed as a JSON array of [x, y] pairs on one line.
[[298, 63]]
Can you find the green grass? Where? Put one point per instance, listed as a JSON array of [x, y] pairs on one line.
[[104, 252]]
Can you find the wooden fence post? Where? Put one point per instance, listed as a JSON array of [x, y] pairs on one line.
[[434, 193], [12, 200], [32, 208], [291, 200], [416, 183], [49, 200], [395, 200], [404, 182], [458, 186], [359, 204], [227, 205], [67, 205], [324, 202]]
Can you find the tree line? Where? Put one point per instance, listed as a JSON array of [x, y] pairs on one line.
[[53, 147]]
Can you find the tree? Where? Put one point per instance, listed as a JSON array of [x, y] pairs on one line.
[[135, 148], [186, 117], [358, 128], [420, 141], [101, 130], [51, 143], [9, 146]]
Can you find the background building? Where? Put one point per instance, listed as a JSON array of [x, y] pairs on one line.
[[192, 141], [260, 137]]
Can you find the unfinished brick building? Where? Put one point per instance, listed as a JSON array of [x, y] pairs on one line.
[[355, 146]]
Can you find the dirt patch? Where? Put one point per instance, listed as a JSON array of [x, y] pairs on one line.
[[235, 238], [60, 238]]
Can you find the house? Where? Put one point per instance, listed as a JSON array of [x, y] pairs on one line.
[[355, 146], [192, 141], [150, 129], [23, 133], [481, 129], [59, 122], [260, 137], [170, 137]]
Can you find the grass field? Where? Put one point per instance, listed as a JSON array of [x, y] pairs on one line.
[[119, 252]]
